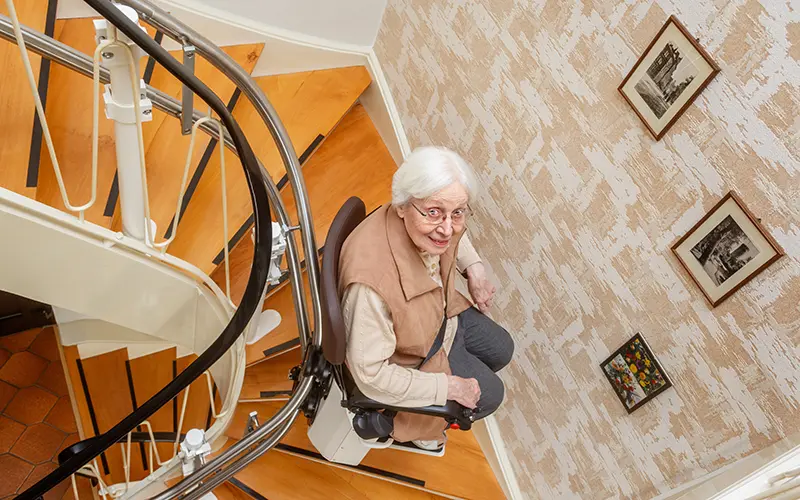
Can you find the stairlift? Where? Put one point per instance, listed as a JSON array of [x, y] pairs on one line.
[[344, 424]]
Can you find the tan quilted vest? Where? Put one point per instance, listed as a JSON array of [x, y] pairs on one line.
[[380, 254]]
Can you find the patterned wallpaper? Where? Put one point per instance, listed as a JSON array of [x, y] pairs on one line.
[[581, 206]]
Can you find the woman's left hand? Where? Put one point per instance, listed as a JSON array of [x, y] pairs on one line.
[[480, 288]]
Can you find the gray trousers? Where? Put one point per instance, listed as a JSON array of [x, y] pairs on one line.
[[481, 347]]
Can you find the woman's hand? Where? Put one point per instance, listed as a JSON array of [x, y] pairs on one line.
[[465, 391], [480, 288]]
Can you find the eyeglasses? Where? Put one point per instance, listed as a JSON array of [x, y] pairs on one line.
[[434, 216]]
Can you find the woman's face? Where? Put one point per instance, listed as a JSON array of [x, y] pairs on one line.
[[429, 236]]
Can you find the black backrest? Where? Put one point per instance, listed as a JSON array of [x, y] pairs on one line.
[[334, 334]]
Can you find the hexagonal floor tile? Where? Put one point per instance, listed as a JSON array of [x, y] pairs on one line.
[[4, 356], [7, 392], [10, 431], [23, 369], [30, 405], [39, 443], [19, 341], [14, 473], [46, 345], [38, 473], [53, 379], [61, 416]]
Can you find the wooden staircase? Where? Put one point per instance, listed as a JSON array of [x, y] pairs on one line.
[[107, 387], [341, 154]]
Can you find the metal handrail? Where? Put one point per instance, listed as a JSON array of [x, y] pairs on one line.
[[256, 443]]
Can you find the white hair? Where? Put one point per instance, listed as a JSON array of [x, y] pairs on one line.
[[428, 170]]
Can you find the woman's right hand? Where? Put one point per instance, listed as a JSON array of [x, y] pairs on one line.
[[465, 391]]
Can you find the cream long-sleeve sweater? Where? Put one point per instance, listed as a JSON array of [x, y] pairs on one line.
[[371, 341]]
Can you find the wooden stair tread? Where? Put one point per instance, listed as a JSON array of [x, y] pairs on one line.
[[227, 491], [107, 382], [69, 115], [353, 161], [280, 476], [270, 376], [462, 457], [166, 147], [199, 404], [309, 104], [17, 103], [149, 375]]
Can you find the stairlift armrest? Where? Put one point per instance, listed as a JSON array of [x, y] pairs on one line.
[[452, 412]]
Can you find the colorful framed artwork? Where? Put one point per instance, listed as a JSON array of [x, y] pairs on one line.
[[635, 374], [726, 249], [667, 78]]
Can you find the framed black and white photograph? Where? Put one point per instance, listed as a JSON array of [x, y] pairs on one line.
[[726, 249], [669, 75]]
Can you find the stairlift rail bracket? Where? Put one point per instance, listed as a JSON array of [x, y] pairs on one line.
[[278, 249], [114, 58], [194, 450]]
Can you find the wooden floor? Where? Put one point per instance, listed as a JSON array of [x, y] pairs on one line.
[[107, 387], [69, 115]]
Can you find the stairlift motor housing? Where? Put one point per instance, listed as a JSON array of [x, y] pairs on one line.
[[332, 432]]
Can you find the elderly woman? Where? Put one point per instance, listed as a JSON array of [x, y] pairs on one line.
[[413, 340]]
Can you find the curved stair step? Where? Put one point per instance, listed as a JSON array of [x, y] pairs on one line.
[[105, 378], [282, 476], [284, 337], [269, 380], [148, 375], [107, 387], [463, 458]]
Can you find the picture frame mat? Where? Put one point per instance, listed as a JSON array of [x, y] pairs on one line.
[[674, 34], [729, 205]]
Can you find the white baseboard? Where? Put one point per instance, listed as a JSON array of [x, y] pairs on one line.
[[487, 433], [381, 108]]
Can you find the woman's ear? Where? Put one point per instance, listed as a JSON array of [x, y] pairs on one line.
[[401, 211]]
